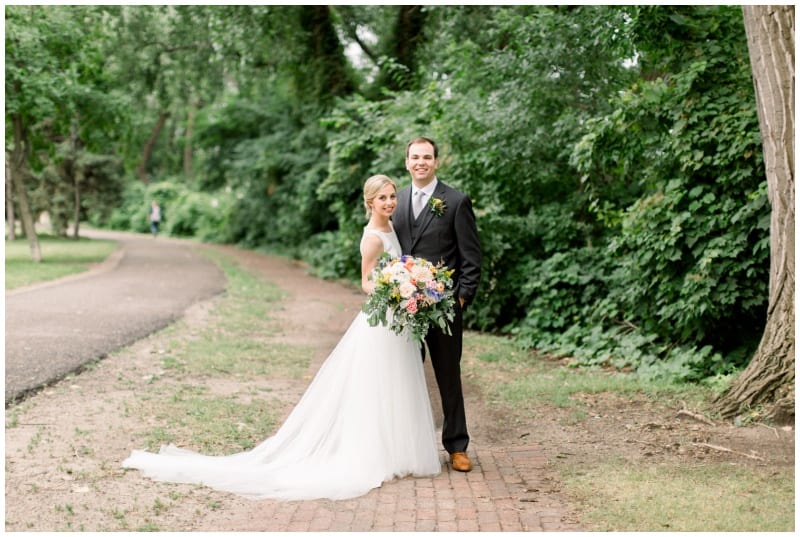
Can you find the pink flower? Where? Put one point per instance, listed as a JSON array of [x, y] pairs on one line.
[[411, 307]]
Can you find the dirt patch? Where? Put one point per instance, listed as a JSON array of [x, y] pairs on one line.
[[64, 445], [635, 429]]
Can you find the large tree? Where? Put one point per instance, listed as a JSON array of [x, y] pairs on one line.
[[39, 85], [61, 110], [171, 60], [323, 72], [769, 378]]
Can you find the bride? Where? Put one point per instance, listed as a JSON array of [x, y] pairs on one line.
[[364, 419]]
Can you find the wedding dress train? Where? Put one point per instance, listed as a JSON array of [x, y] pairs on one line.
[[364, 419]]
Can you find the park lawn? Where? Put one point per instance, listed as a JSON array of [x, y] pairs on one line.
[[597, 455], [60, 257]]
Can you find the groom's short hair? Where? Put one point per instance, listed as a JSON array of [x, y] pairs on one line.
[[423, 140]]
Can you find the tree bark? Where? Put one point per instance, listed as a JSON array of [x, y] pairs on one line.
[[18, 169], [768, 380], [77, 215], [408, 39], [10, 218], [187, 139], [77, 178], [323, 74], [147, 152]]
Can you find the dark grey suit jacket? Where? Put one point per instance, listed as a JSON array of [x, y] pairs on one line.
[[451, 238]]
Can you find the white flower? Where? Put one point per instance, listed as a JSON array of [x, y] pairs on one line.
[[395, 273], [421, 273], [407, 289]]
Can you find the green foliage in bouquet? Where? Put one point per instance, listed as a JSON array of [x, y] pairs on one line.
[[411, 295]]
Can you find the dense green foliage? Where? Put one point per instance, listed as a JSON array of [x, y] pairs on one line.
[[685, 209], [612, 153], [62, 109]]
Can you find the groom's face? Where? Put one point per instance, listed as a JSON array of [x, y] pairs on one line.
[[421, 163]]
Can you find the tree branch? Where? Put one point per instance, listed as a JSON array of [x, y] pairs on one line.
[[726, 450], [352, 32]]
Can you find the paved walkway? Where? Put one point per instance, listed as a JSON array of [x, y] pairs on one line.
[[55, 328], [501, 493]]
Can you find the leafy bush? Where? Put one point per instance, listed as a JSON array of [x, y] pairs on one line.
[[184, 213], [272, 158], [131, 214], [200, 215], [686, 216], [331, 255]]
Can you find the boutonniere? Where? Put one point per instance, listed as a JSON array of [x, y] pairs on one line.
[[438, 206]]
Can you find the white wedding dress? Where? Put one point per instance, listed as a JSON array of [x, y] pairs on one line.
[[364, 419]]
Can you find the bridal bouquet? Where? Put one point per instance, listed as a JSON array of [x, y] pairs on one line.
[[410, 295]]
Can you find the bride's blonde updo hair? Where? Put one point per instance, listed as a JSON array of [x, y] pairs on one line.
[[372, 186]]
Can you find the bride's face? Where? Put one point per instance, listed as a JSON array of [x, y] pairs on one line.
[[385, 201]]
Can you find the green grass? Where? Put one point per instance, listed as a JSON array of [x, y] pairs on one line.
[[248, 357], [60, 257], [713, 497], [212, 424], [236, 346], [239, 338], [530, 380], [618, 494]]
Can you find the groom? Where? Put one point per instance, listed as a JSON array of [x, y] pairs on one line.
[[436, 222]]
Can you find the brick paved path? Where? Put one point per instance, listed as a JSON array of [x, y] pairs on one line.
[[499, 494], [505, 491]]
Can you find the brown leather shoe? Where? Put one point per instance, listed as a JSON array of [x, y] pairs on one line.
[[459, 461]]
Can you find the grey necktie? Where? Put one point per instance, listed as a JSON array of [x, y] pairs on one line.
[[419, 202]]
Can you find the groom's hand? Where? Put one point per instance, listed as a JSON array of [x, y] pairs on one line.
[[461, 302]]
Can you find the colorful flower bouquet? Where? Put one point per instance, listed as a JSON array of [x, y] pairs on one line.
[[411, 295]]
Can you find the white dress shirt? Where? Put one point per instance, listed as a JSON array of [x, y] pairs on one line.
[[427, 192]]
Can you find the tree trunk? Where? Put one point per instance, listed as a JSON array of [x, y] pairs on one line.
[[769, 378], [187, 139], [408, 34], [18, 167], [147, 152], [77, 217], [322, 73], [77, 177], [10, 218]]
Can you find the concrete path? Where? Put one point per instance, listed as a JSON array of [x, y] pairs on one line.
[[55, 328]]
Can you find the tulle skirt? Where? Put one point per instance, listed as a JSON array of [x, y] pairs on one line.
[[364, 419]]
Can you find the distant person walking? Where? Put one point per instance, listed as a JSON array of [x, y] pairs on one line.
[[155, 217]]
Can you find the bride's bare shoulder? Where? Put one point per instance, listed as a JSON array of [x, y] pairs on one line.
[[370, 241]]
